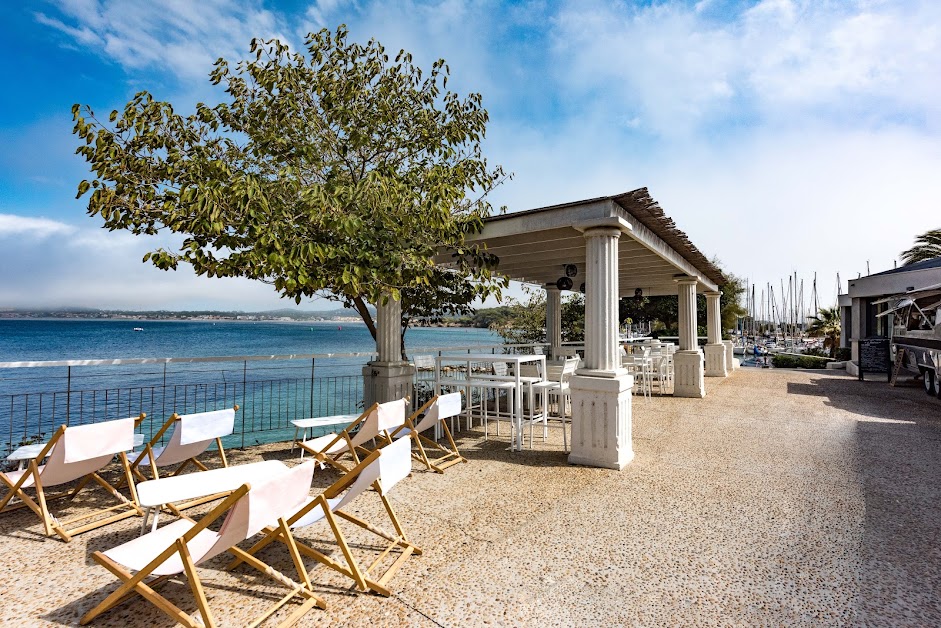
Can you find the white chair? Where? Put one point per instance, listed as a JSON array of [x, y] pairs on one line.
[[433, 414], [498, 384], [382, 470], [75, 453], [639, 364], [176, 549], [375, 424], [192, 435], [557, 384]]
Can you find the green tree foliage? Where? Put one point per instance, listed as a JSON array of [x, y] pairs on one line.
[[525, 322], [662, 312], [826, 324], [731, 302], [337, 172], [927, 246]]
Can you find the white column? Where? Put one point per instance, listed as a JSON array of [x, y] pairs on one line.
[[601, 392], [688, 362], [389, 377], [601, 301], [554, 320], [715, 351], [688, 315], [389, 331]]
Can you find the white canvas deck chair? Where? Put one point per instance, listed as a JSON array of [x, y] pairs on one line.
[[435, 412], [75, 453], [192, 435], [176, 549], [381, 469], [375, 424]]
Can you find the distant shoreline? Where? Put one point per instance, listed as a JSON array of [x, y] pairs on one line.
[[241, 318]]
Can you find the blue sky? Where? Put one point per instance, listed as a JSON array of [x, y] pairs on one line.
[[781, 135]]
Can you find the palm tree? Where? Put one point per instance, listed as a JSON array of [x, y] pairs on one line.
[[927, 246], [827, 324]]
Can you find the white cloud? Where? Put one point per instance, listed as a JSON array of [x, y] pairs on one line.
[[12, 225], [178, 36], [680, 70], [91, 267]]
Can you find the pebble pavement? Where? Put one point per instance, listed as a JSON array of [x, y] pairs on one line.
[[782, 498]]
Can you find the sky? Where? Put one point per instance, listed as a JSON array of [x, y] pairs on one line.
[[782, 136]]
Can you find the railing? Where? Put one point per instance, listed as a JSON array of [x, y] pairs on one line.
[[38, 397]]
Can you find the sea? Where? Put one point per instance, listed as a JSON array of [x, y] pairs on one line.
[[34, 401]]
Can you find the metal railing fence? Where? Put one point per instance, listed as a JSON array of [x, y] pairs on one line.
[[37, 397]]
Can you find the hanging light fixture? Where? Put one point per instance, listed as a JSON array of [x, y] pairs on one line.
[[571, 270], [581, 288], [564, 283], [638, 293]]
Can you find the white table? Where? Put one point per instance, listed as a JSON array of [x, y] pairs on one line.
[[154, 494], [516, 360], [28, 452], [320, 421]]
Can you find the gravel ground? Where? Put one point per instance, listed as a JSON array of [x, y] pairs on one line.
[[783, 498]]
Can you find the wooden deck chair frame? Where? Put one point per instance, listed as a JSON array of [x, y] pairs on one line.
[[135, 583], [124, 509], [450, 456], [148, 454], [351, 441], [364, 579]]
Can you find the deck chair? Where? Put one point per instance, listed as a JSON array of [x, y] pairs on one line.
[[381, 469], [436, 411], [75, 453], [375, 424], [177, 549], [192, 435]]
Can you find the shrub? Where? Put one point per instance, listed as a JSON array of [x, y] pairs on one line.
[[799, 361]]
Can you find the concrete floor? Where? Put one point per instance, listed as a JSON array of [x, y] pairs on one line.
[[783, 498]]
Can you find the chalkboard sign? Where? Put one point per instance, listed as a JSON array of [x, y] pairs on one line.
[[874, 356]]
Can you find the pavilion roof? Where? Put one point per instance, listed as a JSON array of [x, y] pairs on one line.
[[534, 244]]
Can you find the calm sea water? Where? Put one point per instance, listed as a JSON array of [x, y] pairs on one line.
[[22, 340], [35, 400]]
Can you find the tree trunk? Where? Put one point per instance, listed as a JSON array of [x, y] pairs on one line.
[[366, 316]]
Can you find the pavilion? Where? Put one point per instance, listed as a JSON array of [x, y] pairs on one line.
[[617, 245]]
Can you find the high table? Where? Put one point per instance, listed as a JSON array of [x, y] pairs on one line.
[[319, 421], [490, 358], [154, 494]]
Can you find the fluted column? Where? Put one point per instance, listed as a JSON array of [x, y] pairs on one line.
[[601, 392], [717, 362], [388, 377], [688, 362], [713, 318], [389, 331], [601, 301], [554, 320], [688, 316]]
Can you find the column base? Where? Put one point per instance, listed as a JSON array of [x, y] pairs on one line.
[[689, 368], [730, 363], [601, 421], [716, 364], [386, 381]]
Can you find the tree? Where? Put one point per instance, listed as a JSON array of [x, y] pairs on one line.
[[927, 246], [731, 301], [337, 173], [525, 322], [826, 324]]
